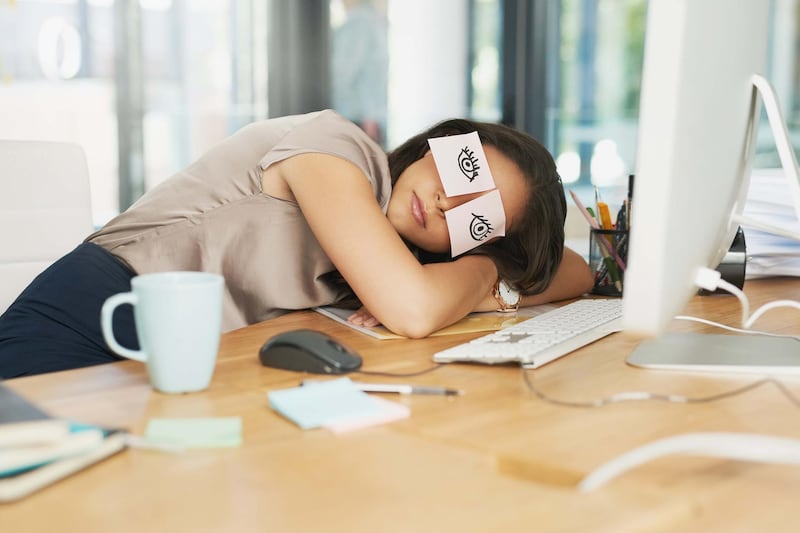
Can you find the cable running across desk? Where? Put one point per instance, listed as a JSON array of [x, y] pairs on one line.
[[542, 338], [633, 396]]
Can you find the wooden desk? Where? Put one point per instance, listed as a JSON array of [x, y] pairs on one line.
[[495, 459]]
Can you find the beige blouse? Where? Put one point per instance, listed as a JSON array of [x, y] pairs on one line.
[[214, 217]]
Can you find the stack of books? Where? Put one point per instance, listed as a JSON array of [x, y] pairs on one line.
[[37, 450]]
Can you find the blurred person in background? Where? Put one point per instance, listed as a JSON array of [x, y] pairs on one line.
[[359, 67]]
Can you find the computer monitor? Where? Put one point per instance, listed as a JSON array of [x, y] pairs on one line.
[[700, 103]]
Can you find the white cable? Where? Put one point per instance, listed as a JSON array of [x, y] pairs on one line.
[[768, 306], [741, 446], [629, 396], [736, 291], [711, 280], [736, 330]]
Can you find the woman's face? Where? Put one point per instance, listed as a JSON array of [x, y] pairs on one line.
[[418, 202]]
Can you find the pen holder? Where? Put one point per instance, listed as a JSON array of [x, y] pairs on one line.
[[608, 253]]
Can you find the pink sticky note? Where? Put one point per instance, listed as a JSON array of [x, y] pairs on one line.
[[461, 163], [389, 412], [475, 222]]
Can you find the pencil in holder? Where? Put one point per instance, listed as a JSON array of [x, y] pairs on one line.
[[608, 252]]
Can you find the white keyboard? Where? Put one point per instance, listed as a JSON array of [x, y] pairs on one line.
[[542, 338]]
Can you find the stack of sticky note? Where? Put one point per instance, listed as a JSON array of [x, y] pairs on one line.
[[337, 405]]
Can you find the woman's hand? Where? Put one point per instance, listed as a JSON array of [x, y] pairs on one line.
[[363, 317]]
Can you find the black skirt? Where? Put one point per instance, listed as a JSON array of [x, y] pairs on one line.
[[55, 323]]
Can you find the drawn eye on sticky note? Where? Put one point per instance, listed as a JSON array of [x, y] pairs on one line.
[[461, 163], [475, 222]]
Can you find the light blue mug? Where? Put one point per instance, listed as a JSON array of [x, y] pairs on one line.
[[178, 321]]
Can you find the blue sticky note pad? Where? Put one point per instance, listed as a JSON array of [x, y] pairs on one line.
[[312, 406], [196, 432]]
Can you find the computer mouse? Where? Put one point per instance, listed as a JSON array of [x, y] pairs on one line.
[[307, 350]]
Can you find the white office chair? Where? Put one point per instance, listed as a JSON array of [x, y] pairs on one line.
[[45, 209]]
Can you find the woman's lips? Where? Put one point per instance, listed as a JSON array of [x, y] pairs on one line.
[[417, 210]]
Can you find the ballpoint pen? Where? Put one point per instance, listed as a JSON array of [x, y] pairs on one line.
[[406, 389], [397, 388]]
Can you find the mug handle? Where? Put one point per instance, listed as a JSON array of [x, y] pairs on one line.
[[106, 316]]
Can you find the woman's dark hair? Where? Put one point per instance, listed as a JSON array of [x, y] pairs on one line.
[[531, 251]]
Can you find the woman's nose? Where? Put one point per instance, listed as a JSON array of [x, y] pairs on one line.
[[445, 203]]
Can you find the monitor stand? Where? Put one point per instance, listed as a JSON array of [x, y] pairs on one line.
[[700, 352]]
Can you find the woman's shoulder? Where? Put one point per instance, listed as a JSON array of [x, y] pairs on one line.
[[327, 132]]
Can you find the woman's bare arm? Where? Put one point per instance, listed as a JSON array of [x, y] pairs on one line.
[[408, 298], [573, 278]]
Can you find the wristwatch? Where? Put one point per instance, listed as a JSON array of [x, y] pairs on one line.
[[507, 298]]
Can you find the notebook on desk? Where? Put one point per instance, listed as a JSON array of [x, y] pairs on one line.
[[22, 422], [38, 450]]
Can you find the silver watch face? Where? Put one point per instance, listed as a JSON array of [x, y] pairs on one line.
[[509, 295]]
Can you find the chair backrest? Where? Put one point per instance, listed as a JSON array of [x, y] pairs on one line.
[[45, 209]]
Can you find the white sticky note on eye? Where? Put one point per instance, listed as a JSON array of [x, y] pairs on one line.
[[475, 222], [461, 163]]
